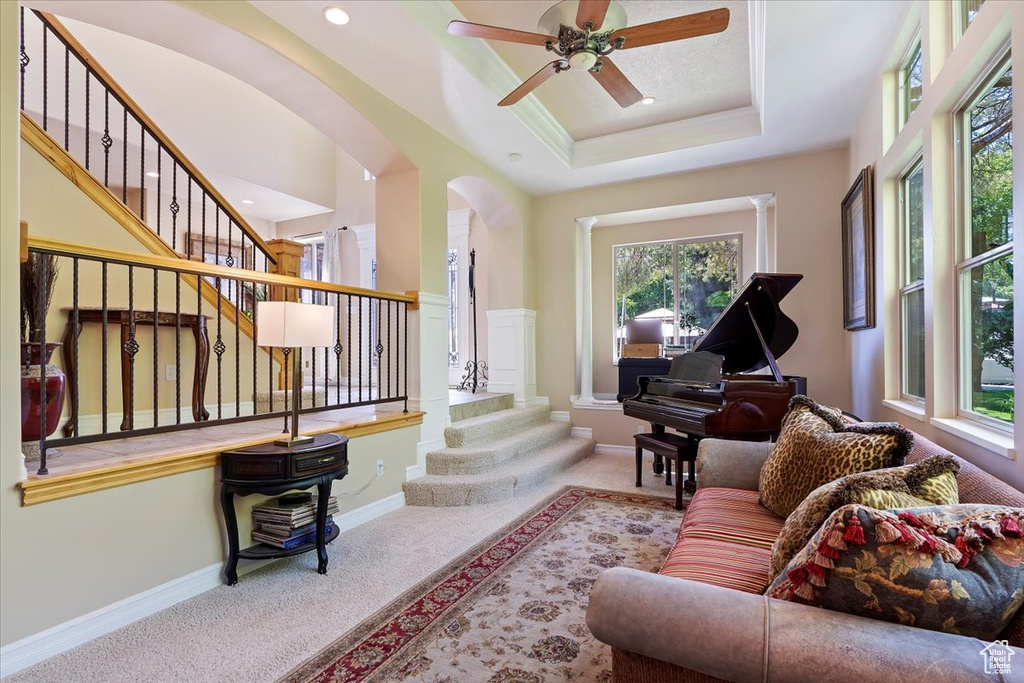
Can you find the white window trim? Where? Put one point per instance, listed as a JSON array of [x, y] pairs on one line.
[[916, 46], [907, 288]]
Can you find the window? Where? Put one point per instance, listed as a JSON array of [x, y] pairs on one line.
[[311, 265], [985, 268], [685, 283], [911, 82], [912, 282], [968, 10]]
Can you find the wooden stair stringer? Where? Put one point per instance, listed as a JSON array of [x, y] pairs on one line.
[[84, 180]]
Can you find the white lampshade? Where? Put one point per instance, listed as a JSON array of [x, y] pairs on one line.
[[291, 325]]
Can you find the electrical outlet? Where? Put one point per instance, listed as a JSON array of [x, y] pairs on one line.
[[170, 372], [380, 468]]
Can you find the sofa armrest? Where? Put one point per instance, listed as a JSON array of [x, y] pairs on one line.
[[745, 637], [731, 464]]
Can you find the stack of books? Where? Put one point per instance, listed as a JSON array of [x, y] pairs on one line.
[[289, 524]]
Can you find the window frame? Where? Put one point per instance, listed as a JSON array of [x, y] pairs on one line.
[[675, 244], [961, 21], [916, 50], [907, 287], [964, 263]]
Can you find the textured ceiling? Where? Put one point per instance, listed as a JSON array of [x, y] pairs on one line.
[[688, 78]]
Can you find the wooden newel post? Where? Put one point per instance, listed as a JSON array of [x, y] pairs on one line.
[[288, 254]]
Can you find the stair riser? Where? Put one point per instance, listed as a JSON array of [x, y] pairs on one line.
[[484, 460], [461, 436], [465, 411], [495, 490]]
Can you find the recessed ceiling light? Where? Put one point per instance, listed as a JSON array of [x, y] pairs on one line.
[[336, 16], [152, 174], [514, 157], [248, 201], [647, 100]]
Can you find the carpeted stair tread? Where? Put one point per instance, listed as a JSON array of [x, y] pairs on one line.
[[495, 425], [484, 457], [470, 409], [504, 482]]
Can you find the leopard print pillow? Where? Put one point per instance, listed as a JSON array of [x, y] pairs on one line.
[[816, 445], [929, 482]]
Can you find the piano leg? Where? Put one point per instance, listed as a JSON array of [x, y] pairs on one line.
[[668, 472], [639, 464]]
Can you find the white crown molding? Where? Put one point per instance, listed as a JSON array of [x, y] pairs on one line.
[[61, 638], [431, 299], [480, 59], [693, 132]]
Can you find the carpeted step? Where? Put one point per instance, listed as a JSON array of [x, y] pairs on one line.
[[494, 426], [504, 482], [484, 457], [483, 406]]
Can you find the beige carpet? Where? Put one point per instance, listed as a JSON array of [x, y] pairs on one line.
[[277, 617]]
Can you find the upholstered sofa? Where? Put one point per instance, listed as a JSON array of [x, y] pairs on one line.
[[703, 617]]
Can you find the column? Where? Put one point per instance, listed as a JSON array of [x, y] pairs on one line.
[[585, 312], [760, 202]]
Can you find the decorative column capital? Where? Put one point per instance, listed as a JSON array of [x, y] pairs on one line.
[[587, 223], [760, 201]]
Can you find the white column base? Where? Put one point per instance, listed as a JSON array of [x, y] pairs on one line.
[[512, 354]]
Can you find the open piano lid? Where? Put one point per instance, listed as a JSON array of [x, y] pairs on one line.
[[733, 335]]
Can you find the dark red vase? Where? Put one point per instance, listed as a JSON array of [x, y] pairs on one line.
[[32, 390]]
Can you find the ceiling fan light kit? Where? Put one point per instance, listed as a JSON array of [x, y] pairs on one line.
[[582, 33]]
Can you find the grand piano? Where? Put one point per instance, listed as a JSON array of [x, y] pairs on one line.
[[711, 392]]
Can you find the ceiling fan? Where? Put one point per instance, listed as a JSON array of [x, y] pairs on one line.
[[600, 29]]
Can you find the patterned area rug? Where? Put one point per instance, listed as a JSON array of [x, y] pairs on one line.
[[512, 609]]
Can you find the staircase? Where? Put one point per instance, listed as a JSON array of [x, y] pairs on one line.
[[496, 456]]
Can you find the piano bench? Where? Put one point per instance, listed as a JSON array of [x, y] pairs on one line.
[[676, 449]]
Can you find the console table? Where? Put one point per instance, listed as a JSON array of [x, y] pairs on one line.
[[270, 469], [127, 320]]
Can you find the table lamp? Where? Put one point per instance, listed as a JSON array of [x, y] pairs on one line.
[[292, 325]]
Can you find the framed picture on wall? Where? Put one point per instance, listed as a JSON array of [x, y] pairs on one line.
[[859, 254]]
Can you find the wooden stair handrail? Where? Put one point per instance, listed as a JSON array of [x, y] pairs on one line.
[[119, 93]]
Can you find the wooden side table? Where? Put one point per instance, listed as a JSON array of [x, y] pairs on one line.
[[675, 449], [129, 347], [270, 469]]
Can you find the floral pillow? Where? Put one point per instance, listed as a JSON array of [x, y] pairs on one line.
[[957, 568], [929, 482]]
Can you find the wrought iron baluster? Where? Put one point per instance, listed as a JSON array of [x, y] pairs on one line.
[[199, 393], [46, 81], [390, 302], [67, 98], [177, 347], [229, 260], [23, 59], [348, 344], [124, 159], [103, 347], [380, 352], [238, 348], [312, 354], [174, 206], [188, 235], [44, 264], [219, 349], [159, 183], [255, 384], [129, 348], [359, 338], [216, 236], [405, 359], [337, 347], [88, 107], [156, 348], [216, 213], [75, 327], [142, 173], [324, 299], [106, 140]]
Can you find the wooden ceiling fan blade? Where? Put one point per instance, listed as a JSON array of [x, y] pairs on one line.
[[678, 28], [592, 11], [616, 83], [529, 84], [466, 28]]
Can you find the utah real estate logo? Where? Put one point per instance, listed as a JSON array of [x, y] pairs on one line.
[[997, 657]]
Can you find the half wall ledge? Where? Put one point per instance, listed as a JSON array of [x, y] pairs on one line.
[[41, 489]]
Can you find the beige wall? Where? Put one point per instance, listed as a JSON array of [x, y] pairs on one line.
[[741, 223], [808, 189]]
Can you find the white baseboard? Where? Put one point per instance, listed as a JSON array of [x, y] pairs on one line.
[[33, 649], [614, 449], [560, 415], [585, 432], [414, 472]]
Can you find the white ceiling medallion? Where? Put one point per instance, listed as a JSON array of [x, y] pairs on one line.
[[480, 59]]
